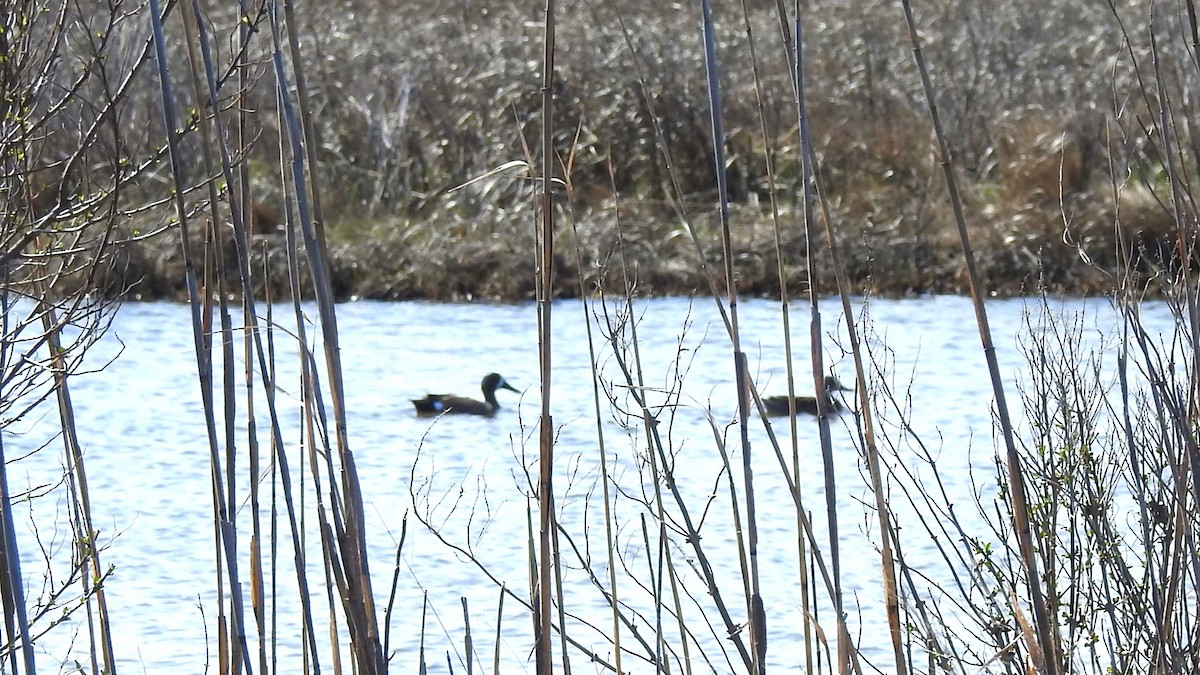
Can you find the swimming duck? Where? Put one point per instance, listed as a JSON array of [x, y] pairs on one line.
[[436, 404], [778, 405]]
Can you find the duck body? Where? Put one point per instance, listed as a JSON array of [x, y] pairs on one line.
[[449, 404], [777, 406]]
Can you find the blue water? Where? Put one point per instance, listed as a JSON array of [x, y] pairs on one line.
[[148, 462]]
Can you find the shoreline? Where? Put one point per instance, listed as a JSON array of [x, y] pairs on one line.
[[495, 263]]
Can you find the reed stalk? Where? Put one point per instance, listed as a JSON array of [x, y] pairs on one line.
[[12, 589], [1016, 479], [547, 556], [816, 349], [347, 568], [499, 624], [245, 205], [309, 410], [613, 596], [784, 294], [12, 584], [347, 536], [678, 201], [865, 416], [92, 579], [632, 378], [468, 644], [560, 606], [199, 304], [257, 594], [387, 612], [346, 552], [306, 115], [1186, 463], [754, 607]]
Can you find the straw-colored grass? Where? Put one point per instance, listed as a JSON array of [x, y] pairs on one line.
[[1039, 119]]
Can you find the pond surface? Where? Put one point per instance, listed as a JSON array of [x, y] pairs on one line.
[[141, 424]]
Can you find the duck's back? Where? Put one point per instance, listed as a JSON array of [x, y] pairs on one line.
[[438, 404], [805, 405]]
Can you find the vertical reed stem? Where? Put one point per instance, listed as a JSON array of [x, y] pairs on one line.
[[85, 532], [609, 539], [545, 293], [888, 567], [757, 617], [245, 206], [816, 352], [200, 318], [12, 582], [1016, 479]]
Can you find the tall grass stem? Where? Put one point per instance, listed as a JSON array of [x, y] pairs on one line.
[[757, 618], [1016, 480], [546, 556]]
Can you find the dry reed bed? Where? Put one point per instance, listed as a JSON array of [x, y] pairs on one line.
[[1041, 105]]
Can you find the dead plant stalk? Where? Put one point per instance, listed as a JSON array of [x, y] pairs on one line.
[[1021, 505]]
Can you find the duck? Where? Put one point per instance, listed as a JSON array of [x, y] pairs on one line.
[[778, 405], [438, 404]]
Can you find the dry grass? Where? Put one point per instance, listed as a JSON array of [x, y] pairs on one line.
[[1040, 105]]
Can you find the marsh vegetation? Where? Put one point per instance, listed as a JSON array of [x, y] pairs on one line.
[[267, 160]]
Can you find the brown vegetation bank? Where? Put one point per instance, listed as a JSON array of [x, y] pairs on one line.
[[1053, 135]]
